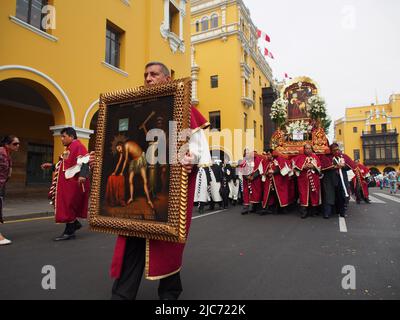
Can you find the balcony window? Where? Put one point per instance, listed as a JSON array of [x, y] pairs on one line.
[[204, 24], [355, 129], [214, 21]]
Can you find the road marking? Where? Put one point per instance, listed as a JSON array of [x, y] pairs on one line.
[[376, 200], [207, 214], [342, 224], [28, 220], [386, 196], [373, 200]]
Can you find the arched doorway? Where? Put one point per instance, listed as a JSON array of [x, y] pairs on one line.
[[93, 126], [374, 171], [389, 169], [219, 154], [27, 111]]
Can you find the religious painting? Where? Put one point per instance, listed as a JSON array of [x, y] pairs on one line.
[[298, 94], [139, 186]]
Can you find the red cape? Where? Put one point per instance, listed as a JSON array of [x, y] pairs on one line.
[[360, 173], [280, 183], [163, 258], [252, 190], [308, 181], [71, 201]]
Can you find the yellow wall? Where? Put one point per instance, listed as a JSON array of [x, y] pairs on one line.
[[358, 117], [69, 72], [222, 56]]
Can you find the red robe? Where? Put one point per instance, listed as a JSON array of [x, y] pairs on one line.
[[71, 201], [252, 190], [360, 173], [308, 182], [277, 182], [163, 258]]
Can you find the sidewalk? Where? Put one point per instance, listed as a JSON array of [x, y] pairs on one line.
[[26, 207]]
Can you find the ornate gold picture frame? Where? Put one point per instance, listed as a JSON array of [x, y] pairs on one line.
[[133, 195]]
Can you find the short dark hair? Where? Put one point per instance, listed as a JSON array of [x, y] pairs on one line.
[[69, 131], [333, 145], [164, 68], [7, 140]]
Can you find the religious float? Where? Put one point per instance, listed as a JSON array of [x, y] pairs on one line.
[[300, 116]]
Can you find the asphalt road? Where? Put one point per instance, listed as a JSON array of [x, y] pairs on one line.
[[228, 257]]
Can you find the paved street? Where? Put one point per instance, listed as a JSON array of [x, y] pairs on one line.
[[228, 256]]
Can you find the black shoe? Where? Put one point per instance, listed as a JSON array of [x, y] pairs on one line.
[[245, 210], [65, 237], [303, 211], [77, 225], [326, 217]]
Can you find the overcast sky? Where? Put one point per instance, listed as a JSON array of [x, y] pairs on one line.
[[351, 48]]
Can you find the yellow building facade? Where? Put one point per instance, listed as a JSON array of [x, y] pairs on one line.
[[57, 56], [228, 73], [371, 134]]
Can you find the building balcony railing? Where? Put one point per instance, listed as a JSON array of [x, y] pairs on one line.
[[380, 132], [376, 162], [248, 102]]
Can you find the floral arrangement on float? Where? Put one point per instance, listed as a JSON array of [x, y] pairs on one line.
[[318, 112], [279, 112], [299, 130]]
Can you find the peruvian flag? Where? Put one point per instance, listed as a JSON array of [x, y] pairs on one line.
[[268, 53], [263, 35]]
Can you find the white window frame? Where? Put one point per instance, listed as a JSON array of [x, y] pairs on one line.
[[176, 41]]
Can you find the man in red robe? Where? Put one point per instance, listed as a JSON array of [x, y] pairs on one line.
[[70, 190], [307, 167], [359, 183], [251, 169], [276, 183], [160, 260]]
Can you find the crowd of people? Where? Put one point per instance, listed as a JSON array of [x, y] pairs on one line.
[[267, 183], [389, 180]]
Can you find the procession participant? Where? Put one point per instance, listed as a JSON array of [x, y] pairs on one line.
[[392, 178], [307, 167], [233, 182], [8, 145], [334, 188], [202, 194], [276, 183], [359, 182], [70, 189], [225, 187], [251, 169], [160, 259], [216, 184]]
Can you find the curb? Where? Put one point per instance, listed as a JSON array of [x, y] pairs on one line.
[[28, 216]]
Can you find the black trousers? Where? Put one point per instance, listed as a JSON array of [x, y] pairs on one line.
[[127, 286]]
